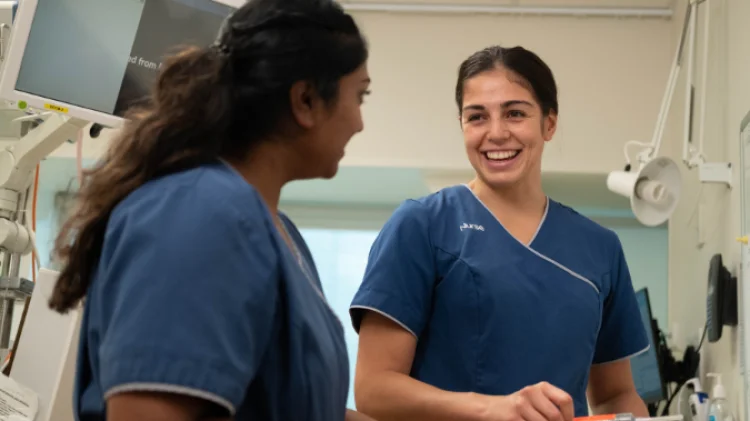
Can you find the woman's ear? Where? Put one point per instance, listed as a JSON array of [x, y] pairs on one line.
[[302, 103], [549, 126]]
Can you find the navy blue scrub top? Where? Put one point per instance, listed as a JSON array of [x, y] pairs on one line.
[[196, 293], [493, 315]]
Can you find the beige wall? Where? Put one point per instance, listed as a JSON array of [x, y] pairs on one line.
[[607, 68], [710, 213]]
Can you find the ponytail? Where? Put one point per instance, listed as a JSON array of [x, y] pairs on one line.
[[183, 126]]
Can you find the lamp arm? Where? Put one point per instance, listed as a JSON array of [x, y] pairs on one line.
[[704, 85], [666, 103], [687, 131]]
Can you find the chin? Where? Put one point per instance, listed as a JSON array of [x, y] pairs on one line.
[[501, 180], [501, 183], [330, 172]]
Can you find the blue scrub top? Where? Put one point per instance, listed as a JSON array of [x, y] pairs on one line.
[[493, 315], [196, 293]]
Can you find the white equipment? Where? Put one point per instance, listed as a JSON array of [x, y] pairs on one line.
[[69, 63], [17, 164], [94, 59], [654, 187], [654, 190], [46, 353], [12, 230], [103, 59]]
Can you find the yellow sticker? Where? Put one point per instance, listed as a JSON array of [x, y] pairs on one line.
[[57, 108]]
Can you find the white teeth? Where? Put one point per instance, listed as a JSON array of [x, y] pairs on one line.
[[500, 155]]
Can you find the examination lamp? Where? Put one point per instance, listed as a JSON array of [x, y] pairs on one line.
[[653, 187], [654, 190]]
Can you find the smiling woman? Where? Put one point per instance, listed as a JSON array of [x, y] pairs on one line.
[[518, 112], [515, 320]]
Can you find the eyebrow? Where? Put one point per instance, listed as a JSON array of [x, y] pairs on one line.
[[366, 80], [506, 104]]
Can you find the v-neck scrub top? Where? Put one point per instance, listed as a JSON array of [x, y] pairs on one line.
[[493, 315], [196, 293]]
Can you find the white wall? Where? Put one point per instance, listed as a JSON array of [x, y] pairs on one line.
[[710, 210]]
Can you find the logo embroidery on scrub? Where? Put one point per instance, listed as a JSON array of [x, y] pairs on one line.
[[466, 226]]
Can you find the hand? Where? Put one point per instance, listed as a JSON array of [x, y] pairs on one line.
[[541, 402]]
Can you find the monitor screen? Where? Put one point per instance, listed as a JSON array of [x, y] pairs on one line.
[[646, 367], [103, 55]]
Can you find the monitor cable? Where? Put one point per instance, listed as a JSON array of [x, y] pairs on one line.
[[680, 372]]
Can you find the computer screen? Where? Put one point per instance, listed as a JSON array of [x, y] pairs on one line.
[[102, 55], [646, 366]]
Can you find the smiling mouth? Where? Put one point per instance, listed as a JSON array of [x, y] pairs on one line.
[[500, 156]]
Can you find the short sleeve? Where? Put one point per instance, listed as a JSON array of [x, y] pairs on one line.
[[622, 334], [187, 298], [400, 272]]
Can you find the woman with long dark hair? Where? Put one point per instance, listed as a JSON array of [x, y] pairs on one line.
[[202, 300]]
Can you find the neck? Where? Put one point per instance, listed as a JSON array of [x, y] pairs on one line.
[[522, 197], [267, 170]]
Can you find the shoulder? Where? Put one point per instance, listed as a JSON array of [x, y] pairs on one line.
[[584, 230], [190, 211], [434, 214], [177, 227], [434, 205], [208, 194], [415, 215]]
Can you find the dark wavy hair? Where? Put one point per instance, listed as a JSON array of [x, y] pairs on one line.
[[214, 102]]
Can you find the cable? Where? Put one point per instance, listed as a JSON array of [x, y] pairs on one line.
[[703, 338], [665, 410]]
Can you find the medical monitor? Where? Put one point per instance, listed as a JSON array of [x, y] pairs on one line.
[[93, 59], [646, 367]]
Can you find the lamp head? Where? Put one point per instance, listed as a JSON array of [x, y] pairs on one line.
[[653, 190]]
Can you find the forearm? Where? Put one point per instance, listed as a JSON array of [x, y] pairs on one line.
[[628, 402], [394, 396]]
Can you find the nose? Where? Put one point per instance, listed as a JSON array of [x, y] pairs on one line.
[[359, 124], [499, 129]]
